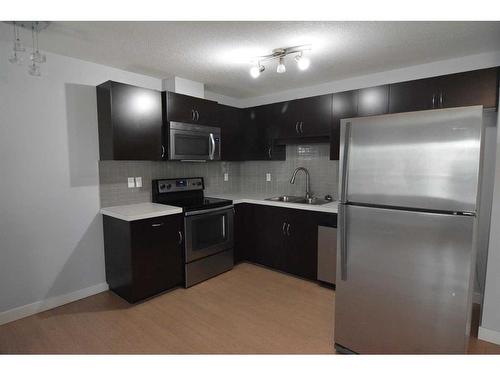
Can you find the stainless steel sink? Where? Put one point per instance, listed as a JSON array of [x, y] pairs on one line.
[[295, 199]]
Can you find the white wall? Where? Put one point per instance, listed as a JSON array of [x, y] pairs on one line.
[[51, 241], [184, 86], [490, 322]]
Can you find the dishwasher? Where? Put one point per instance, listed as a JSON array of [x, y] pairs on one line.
[[327, 254]]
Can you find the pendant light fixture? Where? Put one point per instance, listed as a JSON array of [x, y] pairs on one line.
[[280, 54], [36, 57]]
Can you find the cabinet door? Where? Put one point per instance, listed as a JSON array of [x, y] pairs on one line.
[[269, 235], [373, 101], [345, 105], [479, 87], [231, 132], [301, 253], [244, 248], [257, 141], [185, 108], [130, 122], [315, 116], [157, 258], [283, 119], [413, 95]]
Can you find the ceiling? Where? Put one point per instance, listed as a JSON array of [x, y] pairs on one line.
[[219, 53]]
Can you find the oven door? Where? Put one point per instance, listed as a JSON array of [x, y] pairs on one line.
[[208, 232], [193, 142]]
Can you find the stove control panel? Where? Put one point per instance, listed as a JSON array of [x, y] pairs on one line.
[[180, 184]]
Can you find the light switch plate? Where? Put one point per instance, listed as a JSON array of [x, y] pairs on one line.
[[131, 182], [226, 176], [138, 182], [268, 177]]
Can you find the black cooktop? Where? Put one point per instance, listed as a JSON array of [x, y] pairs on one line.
[[186, 193]]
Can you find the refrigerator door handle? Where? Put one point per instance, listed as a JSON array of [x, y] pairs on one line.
[[343, 243], [345, 155]]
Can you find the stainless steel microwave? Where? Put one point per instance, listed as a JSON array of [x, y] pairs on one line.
[[191, 142]]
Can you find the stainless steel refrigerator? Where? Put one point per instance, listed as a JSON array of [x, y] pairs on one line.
[[409, 193]]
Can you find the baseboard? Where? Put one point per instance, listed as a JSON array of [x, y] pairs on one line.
[[489, 335], [50, 303]]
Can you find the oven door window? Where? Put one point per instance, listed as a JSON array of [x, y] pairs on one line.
[[195, 145], [208, 234], [209, 231]]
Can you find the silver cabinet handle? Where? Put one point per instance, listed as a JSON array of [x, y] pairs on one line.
[[345, 155], [297, 127], [212, 146], [197, 115], [157, 225], [433, 100], [343, 243], [288, 230], [283, 228], [180, 238], [269, 152], [441, 99], [162, 151], [193, 115], [301, 131]]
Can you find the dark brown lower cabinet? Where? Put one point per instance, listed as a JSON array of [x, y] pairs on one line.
[[143, 257], [281, 238]]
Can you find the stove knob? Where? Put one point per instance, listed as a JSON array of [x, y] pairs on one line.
[[199, 183], [162, 186], [169, 186]]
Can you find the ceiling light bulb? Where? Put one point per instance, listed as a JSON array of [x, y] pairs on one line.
[[303, 63], [281, 66], [256, 70]]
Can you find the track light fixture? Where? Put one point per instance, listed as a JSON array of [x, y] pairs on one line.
[[280, 54], [256, 70]]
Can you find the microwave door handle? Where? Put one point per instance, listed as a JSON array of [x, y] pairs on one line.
[[212, 144], [224, 226]]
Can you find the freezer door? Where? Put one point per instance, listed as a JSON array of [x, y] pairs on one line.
[[403, 281], [426, 159]]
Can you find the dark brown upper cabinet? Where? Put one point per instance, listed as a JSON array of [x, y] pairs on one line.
[[308, 117], [415, 95], [345, 105], [129, 121], [185, 108], [231, 133], [477, 87], [258, 135], [373, 101], [316, 116]]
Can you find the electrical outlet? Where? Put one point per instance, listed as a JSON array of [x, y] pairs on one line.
[[268, 177], [226, 176], [131, 182], [138, 182]]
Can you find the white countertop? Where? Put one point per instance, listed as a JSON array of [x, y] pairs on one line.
[[260, 199], [148, 210], [140, 211]]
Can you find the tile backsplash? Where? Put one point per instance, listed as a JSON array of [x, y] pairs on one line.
[[245, 177]]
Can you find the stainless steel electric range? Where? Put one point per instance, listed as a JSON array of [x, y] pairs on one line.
[[208, 226]]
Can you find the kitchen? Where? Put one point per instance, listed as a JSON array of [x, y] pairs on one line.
[[181, 216]]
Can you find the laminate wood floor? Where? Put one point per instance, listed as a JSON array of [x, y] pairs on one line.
[[249, 310]]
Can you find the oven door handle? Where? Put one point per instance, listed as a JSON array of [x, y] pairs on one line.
[[210, 210]]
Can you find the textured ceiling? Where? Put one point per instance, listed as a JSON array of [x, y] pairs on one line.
[[218, 53]]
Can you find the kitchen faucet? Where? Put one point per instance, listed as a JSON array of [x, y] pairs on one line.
[[308, 186]]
